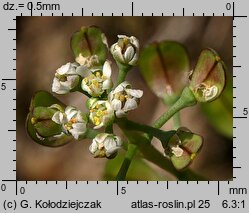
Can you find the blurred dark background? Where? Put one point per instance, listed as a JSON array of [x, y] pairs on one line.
[[43, 45]]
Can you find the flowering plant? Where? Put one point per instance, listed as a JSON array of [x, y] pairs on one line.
[[165, 68]]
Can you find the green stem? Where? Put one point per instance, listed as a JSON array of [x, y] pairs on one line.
[[123, 70], [132, 149], [91, 133], [176, 121], [131, 125], [186, 99], [176, 118], [109, 129], [154, 156]]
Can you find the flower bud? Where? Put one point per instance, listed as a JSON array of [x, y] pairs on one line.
[[72, 121], [105, 145], [66, 78], [101, 113], [183, 147], [208, 78], [42, 121], [89, 46], [96, 80], [164, 66], [124, 99], [39, 124], [126, 50]]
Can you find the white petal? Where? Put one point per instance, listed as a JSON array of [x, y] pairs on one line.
[[116, 104], [83, 71], [93, 147], [117, 54], [55, 85], [118, 89], [120, 113], [63, 69], [129, 53], [80, 117], [122, 36], [130, 104], [73, 80], [86, 88], [107, 70], [110, 96], [59, 88], [125, 84], [69, 109], [134, 41], [107, 84], [135, 93], [134, 59], [101, 137], [56, 117], [81, 127], [62, 118]]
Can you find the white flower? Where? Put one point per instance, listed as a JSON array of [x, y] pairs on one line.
[[124, 99], [101, 113], [97, 81], [126, 50], [72, 121], [105, 145], [66, 78]]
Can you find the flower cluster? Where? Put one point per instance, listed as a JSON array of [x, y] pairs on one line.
[[163, 65], [105, 102]]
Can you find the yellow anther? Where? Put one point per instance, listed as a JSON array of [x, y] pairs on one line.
[[98, 74], [96, 120], [99, 113], [116, 96], [193, 155], [33, 120], [73, 120], [122, 97], [217, 58]]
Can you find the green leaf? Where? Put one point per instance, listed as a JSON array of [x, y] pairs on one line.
[[89, 41], [165, 66], [208, 75], [38, 128]]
